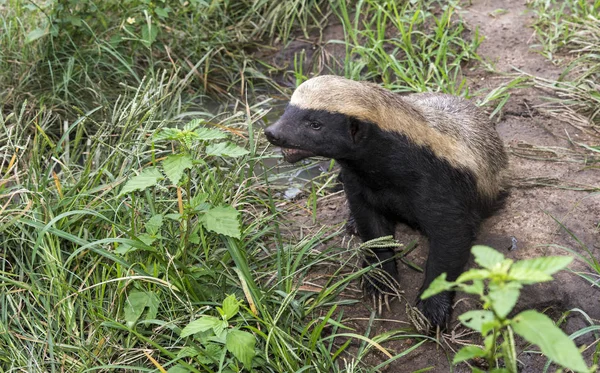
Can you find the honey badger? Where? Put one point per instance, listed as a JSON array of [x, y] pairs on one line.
[[432, 161]]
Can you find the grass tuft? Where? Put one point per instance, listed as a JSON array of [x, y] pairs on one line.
[[408, 47]]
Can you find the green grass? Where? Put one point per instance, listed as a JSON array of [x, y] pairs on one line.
[[90, 283], [407, 46], [93, 279], [96, 279], [564, 25], [568, 31], [84, 53]]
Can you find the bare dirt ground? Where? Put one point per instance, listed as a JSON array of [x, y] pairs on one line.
[[530, 209]]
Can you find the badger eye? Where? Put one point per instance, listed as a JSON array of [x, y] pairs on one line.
[[315, 125]]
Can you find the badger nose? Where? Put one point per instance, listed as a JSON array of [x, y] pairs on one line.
[[272, 135]]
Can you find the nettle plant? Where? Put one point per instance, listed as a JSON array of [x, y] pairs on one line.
[[219, 336], [197, 145], [505, 279], [198, 166]]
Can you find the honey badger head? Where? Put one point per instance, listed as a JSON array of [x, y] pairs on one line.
[[303, 133], [324, 118]]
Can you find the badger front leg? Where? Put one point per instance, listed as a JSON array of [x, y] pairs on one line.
[[371, 224], [449, 246]]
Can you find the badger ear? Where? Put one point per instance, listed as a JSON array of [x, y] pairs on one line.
[[356, 129]]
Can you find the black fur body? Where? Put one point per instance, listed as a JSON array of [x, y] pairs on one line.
[[392, 175]]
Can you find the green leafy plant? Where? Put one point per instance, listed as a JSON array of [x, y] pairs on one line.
[[218, 336], [505, 279], [196, 146]]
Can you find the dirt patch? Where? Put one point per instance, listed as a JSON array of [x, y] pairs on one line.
[[545, 165]]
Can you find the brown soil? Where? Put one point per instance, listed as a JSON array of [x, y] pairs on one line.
[[530, 209]]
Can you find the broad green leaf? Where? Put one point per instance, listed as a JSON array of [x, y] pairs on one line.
[[36, 34], [504, 297], [147, 178], [162, 12], [187, 351], [527, 275], [149, 33], [175, 216], [74, 20], [167, 134], [187, 138], [467, 353], [475, 319], [475, 288], [241, 345], [473, 274], [123, 248], [211, 354], [489, 326], [539, 329], [146, 238], [153, 302], [225, 149], [175, 165], [137, 302], [220, 333], [193, 124], [437, 286], [538, 269], [194, 238], [154, 224], [199, 201], [486, 256], [205, 133], [115, 40], [203, 324], [134, 306], [231, 307], [489, 341], [126, 245], [222, 220], [178, 369], [220, 329]]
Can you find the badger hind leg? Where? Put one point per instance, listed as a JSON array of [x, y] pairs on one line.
[[449, 246]]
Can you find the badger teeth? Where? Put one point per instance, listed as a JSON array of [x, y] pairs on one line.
[[294, 155]]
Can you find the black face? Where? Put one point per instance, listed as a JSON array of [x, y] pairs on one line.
[[303, 133]]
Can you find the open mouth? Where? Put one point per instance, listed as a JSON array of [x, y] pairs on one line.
[[294, 155]]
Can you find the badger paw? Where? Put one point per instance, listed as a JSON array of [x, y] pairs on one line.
[[350, 226], [436, 310], [381, 284]]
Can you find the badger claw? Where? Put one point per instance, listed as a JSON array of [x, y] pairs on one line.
[[436, 310], [381, 286], [350, 226]]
